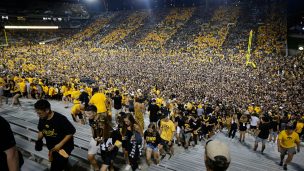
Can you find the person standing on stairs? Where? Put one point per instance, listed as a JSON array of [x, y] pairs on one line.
[[233, 127], [242, 124], [262, 133], [95, 121], [287, 141], [58, 132]]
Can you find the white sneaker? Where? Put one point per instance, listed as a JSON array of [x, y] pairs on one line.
[[139, 167], [128, 167]]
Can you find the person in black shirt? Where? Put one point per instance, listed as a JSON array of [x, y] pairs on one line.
[[9, 158], [84, 98], [262, 133], [283, 121], [242, 124], [58, 133], [152, 141], [203, 131], [274, 123], [109, 145], [153, 109], [233, 127], [117, 104], [131, 138], [195, 126], [187, 131]]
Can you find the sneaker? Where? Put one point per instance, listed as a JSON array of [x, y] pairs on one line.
[[128, 167], [281, 163], [285, 167], [163, 156]]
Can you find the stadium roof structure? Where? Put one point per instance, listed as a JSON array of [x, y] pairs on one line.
[[43, 8], [295, 25]]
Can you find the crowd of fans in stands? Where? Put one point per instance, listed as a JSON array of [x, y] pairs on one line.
[[201, 88]]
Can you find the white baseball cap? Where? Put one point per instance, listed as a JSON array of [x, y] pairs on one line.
[[215, 148]]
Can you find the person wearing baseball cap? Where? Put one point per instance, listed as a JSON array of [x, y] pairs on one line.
[[287, 141], [217, 156]]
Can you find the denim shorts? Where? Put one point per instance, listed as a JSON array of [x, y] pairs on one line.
[[154, 149]]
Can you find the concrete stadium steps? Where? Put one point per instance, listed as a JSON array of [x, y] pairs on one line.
[[243, 158]]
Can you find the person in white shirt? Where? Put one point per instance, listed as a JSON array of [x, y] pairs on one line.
[[254, 121]]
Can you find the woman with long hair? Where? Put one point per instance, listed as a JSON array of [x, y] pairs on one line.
[[242, 124], [109, 145], [139, 110], [152, 142], [233, 128], [131, 131]]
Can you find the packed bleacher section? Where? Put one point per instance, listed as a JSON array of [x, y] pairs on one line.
[[186, 60]]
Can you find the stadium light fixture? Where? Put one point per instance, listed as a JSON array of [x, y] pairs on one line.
[[301, 47], [4, 17], [90, 1], [31, 27]]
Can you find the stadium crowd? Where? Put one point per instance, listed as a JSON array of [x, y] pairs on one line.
[[189, 94]]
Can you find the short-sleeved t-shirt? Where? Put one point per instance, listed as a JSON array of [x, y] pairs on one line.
[[299, 127], [76, 109], [264, 130], [99, 100], [274, 126], [288, 141], [180, 121], [254, 121], [117, 102], [153, 108], [55, 129], [152, 138], [168, 128], [6, 143]]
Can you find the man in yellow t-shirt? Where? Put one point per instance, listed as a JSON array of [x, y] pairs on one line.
[[77, 111], [287, 141], [167, 130], [99, 100]]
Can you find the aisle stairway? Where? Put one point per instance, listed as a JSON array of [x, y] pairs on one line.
[[243, 158]]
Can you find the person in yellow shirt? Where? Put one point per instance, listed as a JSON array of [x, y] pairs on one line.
[[22, 87], [287, 141], [250, 109], [77, 111], [166, 131], [51, 92], [45, 90], [299, 127], [99, 100], [65, 99], [159, 101]]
